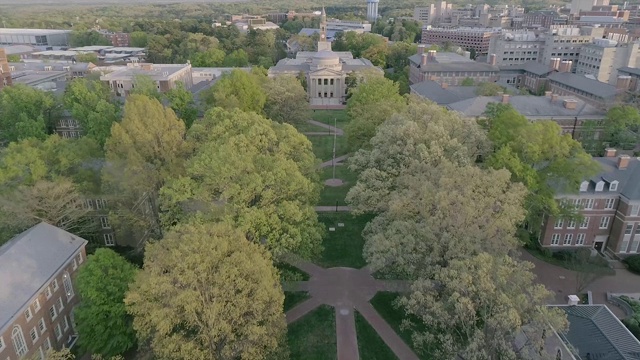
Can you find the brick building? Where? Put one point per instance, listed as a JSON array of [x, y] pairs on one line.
[[609, 205], [449, 68], [118, 39], [5, 73], [467, 38], [37, 297]]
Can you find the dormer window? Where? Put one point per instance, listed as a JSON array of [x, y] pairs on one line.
[[584, 186], [613, 186], [600, 185]]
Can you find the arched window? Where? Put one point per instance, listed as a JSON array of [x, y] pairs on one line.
[[559, 355], [18, 341], [68, 287]]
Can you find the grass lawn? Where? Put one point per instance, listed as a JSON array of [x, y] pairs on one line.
[[323, 146], [314, 336], [328, 116], [383, 303], [293, 298], [370, 345], [343, 247], [306, 127], [331, 194], [291, 273]]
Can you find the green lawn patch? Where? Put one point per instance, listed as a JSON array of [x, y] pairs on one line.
[[343, 247], [370, 344], [291, 273], [384, 303], [323, 146], [332, 194], [293, 298], [304, 127], [330, 117], [314, 336]]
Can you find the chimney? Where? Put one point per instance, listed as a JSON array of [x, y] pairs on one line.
[[547, 94], [493, 59], [423, 60], [421, 49], [554, 97], [573, 300], [432, 55], [554, 64], [623, 162], [444, 85], [467, 54], [505, 98], [570, 104], [609, 152], [623, 82]]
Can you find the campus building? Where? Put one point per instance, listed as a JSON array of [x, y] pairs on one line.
[[467, 38], [37, 37], [449, 68], [591, 91], [164, 75], [604, 57], [515, 47], [37, 269], [565, 42]]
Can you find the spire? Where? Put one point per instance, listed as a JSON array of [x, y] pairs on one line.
[[323, 44]]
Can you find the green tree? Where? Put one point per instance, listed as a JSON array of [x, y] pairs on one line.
[[138, 39], [254, 173], [207, 293], [377, 54], [80, 38], [371, 103], [66, 354], [145, 149], [87, 58], [102, 322], [488, 89], [286, 100], [237, 58], [26, 112], [210, 58], [182, 102], [144, 85], [399, 52], [475, 308], [13, 58], [467, 82], [90, 104], [622, 127], [238, 89]]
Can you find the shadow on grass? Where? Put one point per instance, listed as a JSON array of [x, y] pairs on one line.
[[313, 337], [293, 298], [370, 344], [343, 247]]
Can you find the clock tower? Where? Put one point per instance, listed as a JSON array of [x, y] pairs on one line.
[[323, 44]]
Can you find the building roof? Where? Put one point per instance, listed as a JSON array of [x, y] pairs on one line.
[[18, 49], [533, 67], [596, 332], [331, 34], [582, 83], [449, 61], [28, 262], [55, 66], [33, 31], [434, 91], [630, 70], [156, 72], [532, 107], [628, 179]]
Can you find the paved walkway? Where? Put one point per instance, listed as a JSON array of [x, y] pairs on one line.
[[333, 209], [348, 290], [338, 161], [331, 128]]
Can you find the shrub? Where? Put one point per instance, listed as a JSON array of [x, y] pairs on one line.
[[564, 255], [633, 262], [547, 253]]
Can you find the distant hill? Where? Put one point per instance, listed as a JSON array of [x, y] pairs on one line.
[[106, 2]]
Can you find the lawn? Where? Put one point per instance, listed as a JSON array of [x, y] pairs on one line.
[[304, 127], [343, 247], [293, 298], [291, 273], [332, 194], [328, 117], [370, 345], [383, 302], [323, 146], [314, 336]]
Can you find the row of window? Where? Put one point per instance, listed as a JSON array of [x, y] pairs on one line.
[[97, 204], [326, 81], [70, 134], [568, 239], [590, 204], [20, 345], [68, 123]]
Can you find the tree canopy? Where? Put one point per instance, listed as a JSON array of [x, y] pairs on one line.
[[622, 127], [182, 102], [26, 112], [206, 292], [238, 89], [286, 100]]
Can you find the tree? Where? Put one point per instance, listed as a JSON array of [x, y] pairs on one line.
[[26, 112], [13, 58], [489, 89], [371, 103], [90, 104], [467, 82], [66, 354], [238, 89], [138, 39], [210, 58], [144, 85], [377, 54], [398, 56], [102, 322], [475, 308], [254, 173], [182, 102], [286, 100], [80, 38], [207, 293], [424, 133], [145, 149], [87, 58], [622, 127], [237, 58]]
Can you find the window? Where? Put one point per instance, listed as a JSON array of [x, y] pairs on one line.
[[604, 222], [57, 331], [1, 343], [54, 284], [555, 239], [101, 203], [88, 204], [19, 345], [608, 204], [559, 223], [634, 210], [319, 81], [568, 238], [571, 224], [108, 240], [613, 186], [27, 314], [600, 186], [326, 81], [47, 343], [584, 186], [65, 321], [588, 204], [80, 259], [53, 312], [68, 287], [580, 239], [34, 335], [629, 229], [624, 246], [577, 203], [104, 222], [585, 223], [47, 293], [331, 82], [42, 326], [60, 305]]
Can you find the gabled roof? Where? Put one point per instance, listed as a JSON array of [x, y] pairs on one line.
[[594, 330], [28, 261], [449, 61], [435, 92], [630, 70], [533, 67], [628, 179], [589, 86]]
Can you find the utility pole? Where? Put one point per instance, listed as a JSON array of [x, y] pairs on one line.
[[335, 134]]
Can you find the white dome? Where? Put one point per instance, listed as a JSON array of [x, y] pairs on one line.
[[326, 57]]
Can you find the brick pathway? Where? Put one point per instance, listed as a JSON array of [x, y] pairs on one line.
[[348, 290]]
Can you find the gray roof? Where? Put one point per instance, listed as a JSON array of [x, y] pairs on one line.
[[331, 34], [27, 263], [589, 86], [448, 61], [630, 70], [433, 91], [533, 67], [628, 179], [55, 66], [594, 330], [532, 107]]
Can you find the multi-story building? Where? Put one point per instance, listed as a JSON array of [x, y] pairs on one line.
[[530, 75], [164, 75], [372, 10], [449, 68], [632, 75], [118, 39], [467, 38], [37, 269], [603, 58], [609, 207], [5, 72], [592, 91], [515, 47], [424, 14], [578, 5], [37, 37], [565, 42], [540, 19]]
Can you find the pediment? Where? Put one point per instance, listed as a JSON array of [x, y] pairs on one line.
[[326, 72]]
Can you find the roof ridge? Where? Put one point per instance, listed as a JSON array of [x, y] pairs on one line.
[[600, 309]]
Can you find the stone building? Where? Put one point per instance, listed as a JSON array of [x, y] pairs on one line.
[[515, 47], [326, 71], [604, 57], [449, 68], [164, 75]]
